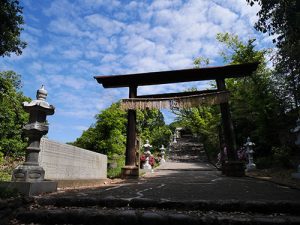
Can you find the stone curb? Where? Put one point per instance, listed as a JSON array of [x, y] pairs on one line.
[[133, 217], [202, 205]]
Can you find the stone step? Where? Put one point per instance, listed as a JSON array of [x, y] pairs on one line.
[[98, 210], [140, 216], [187, 149], [262, 207]]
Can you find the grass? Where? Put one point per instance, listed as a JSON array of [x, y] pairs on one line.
[[116, 172], [7, 165]]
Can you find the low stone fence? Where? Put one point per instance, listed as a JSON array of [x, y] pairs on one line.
[[67, 162]]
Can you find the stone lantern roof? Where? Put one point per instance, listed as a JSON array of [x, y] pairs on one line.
[[40, 103]]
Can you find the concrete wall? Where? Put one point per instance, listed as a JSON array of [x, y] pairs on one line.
[[67, 162]]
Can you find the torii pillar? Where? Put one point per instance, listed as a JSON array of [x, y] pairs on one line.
[[130, 170], [232, 166]]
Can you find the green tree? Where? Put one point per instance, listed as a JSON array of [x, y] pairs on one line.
[[10, 28], [151, 126], [12, 115], [253, 102], [203, 121], [108, 134], [253, 99], [281, 18]]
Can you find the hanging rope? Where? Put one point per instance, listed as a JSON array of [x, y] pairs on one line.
[[181, 102]]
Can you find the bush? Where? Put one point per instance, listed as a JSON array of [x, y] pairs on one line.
[[281, 156], [264, 162]]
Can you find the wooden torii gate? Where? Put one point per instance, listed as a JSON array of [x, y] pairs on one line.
[[184, 99]]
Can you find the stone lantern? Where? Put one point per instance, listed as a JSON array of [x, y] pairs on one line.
[[249, 150], [28, 177], [296, 131], [147, 153], [174, 138], [162, 152]]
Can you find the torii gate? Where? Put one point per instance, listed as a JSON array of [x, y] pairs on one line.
[[185, 99]]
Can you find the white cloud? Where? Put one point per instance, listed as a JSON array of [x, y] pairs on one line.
[[221, 15], [71, 41], [72, 54], [106, 25]]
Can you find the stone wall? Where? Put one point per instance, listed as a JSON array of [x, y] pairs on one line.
[[67, 162]]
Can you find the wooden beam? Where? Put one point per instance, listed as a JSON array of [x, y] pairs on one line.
[[178, 94], [177, 76]]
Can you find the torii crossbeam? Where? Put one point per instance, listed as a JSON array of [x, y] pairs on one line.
[[133, 81]]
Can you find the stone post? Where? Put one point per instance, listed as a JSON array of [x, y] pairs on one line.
[[28, 178], [296, 131], [162, 152], [249, 150]]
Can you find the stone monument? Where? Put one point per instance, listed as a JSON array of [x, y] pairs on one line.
[[28, 178]]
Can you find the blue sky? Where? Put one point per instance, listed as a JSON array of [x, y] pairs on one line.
[[69, 42]]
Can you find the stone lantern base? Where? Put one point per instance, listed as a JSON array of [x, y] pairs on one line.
[[28, 173], [30, 188]]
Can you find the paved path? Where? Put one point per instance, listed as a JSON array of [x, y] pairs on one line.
[[193, 181]]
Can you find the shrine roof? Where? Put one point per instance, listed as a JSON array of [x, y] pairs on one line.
[[177, 76]]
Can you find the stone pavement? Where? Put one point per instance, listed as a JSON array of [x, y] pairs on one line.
[[192, 181], [175, 193]]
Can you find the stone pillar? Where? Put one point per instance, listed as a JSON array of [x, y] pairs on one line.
[[130, 170], [28, 177], [232, 167]]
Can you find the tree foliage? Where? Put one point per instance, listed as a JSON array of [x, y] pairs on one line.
[[10, 28], [255, 108], [12, 115], [203, 121], [281, 18], [151, 126], [108, 134], [253, 99]]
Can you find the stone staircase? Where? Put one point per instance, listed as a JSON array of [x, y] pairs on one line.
[[111, 211], [187, 149]]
